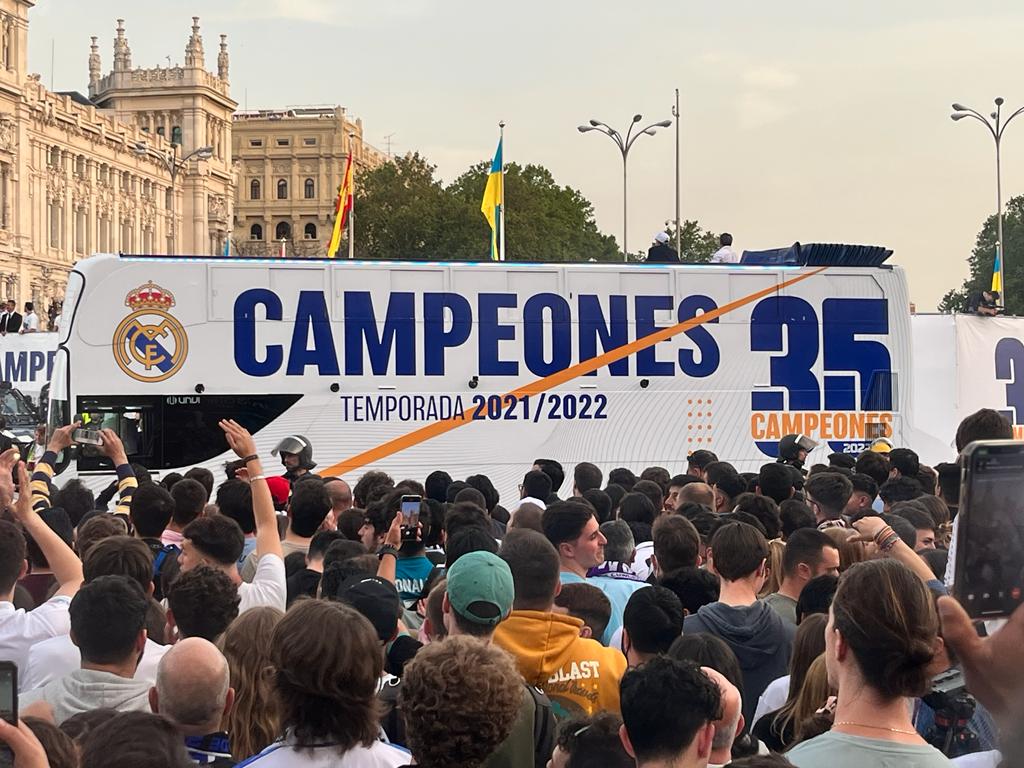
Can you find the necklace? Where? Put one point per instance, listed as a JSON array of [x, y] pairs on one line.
[[877, 728]]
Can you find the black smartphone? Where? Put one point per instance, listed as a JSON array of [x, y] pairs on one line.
[[8, 705], [410, 511], [988, 572]]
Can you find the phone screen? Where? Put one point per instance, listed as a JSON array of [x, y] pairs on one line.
[[9, 692], [410, 511], [990, 542]]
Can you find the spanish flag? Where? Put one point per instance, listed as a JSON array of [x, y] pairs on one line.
[[997, 270], [342, 209], [493, 203]]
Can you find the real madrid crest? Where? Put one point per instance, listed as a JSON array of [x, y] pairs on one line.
[[150, 344]]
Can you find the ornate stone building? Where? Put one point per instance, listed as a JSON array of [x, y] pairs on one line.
[[290, 163], [109, 172]]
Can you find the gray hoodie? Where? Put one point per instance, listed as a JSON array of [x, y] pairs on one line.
[[86, 689], [761, 640]]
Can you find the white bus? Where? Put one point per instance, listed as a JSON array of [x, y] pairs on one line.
[[411, 367]]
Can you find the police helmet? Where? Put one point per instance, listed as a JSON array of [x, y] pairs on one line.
[[791, 445], [298, 445]]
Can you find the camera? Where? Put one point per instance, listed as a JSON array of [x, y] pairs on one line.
[[953, 707]]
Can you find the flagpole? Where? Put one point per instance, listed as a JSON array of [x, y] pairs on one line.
[[351, 202], [501, 221]]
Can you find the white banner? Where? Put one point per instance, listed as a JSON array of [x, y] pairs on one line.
[[990, 366], [26, 360]]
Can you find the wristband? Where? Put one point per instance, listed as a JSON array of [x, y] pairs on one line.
[[387, 549], [883, 534], [889, 542], [257, 477], [251, 457]]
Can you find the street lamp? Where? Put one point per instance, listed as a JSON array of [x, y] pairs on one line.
[[624, 145], [173, 164], [996, 126]]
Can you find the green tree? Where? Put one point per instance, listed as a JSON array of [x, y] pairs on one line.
[[544, 222], [698, 245], [982, 259], [401, 211]]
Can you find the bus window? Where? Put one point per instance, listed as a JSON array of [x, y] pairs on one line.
[[174, 431]]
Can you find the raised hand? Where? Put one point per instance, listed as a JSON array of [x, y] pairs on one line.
[[238, 438]]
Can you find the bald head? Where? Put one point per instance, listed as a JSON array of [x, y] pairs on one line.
[[698, 493], [731, 722], [340, 495], [192, 686]]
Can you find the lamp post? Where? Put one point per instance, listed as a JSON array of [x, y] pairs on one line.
[[174, 165], [679, 233], [624, 145], [996, 126]]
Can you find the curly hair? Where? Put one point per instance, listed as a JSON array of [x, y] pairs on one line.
[[253, 721], [326, 681], [461, 699]]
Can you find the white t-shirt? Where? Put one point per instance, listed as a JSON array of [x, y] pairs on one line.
[[269, 586], [30, 323], [20, 630], [282, 755], [773, 698], [725, 255], [641, 560], [58, 656]]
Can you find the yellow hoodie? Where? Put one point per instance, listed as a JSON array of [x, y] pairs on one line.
[[579, 675]]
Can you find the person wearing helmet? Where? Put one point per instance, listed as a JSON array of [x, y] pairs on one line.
[[793, 450], [296, 454]]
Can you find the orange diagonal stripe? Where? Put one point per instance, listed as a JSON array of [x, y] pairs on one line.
[[437, 428]]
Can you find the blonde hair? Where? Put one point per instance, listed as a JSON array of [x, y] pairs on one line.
[[850, 552], [776, 547], [802, 704], [253, 721]]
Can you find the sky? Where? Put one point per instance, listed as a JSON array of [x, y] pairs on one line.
[[801, 120]]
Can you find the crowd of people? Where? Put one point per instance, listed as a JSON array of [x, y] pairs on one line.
[[798, 615]]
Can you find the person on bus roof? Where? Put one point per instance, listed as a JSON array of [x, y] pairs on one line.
[[793, 450], [296, 455], [661, 252]]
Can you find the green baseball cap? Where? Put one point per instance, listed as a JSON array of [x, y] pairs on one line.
[[480, 579]]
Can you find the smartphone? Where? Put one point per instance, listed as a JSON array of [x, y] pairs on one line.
[[988, 576], [410, 511], [87, 436], [8, 705]]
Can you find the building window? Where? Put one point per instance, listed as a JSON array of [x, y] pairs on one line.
[[80, 231], [160, 131], [56, 214], [168, 199], [309, 189], [284, 142], [255, 142], [310, 231], [254, 189], [54, 160], [282, 189], [283, 231], [176, 134], [309, 142], [256, 232]]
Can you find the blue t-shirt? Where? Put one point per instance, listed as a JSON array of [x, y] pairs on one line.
[[410, 576], [618, 592]]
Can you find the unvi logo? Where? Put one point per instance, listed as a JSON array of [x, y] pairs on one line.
[[150, 344], [1010, 368], [851, 402]]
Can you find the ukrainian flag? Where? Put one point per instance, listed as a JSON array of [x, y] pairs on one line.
[[494, 201], [997, 270]]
